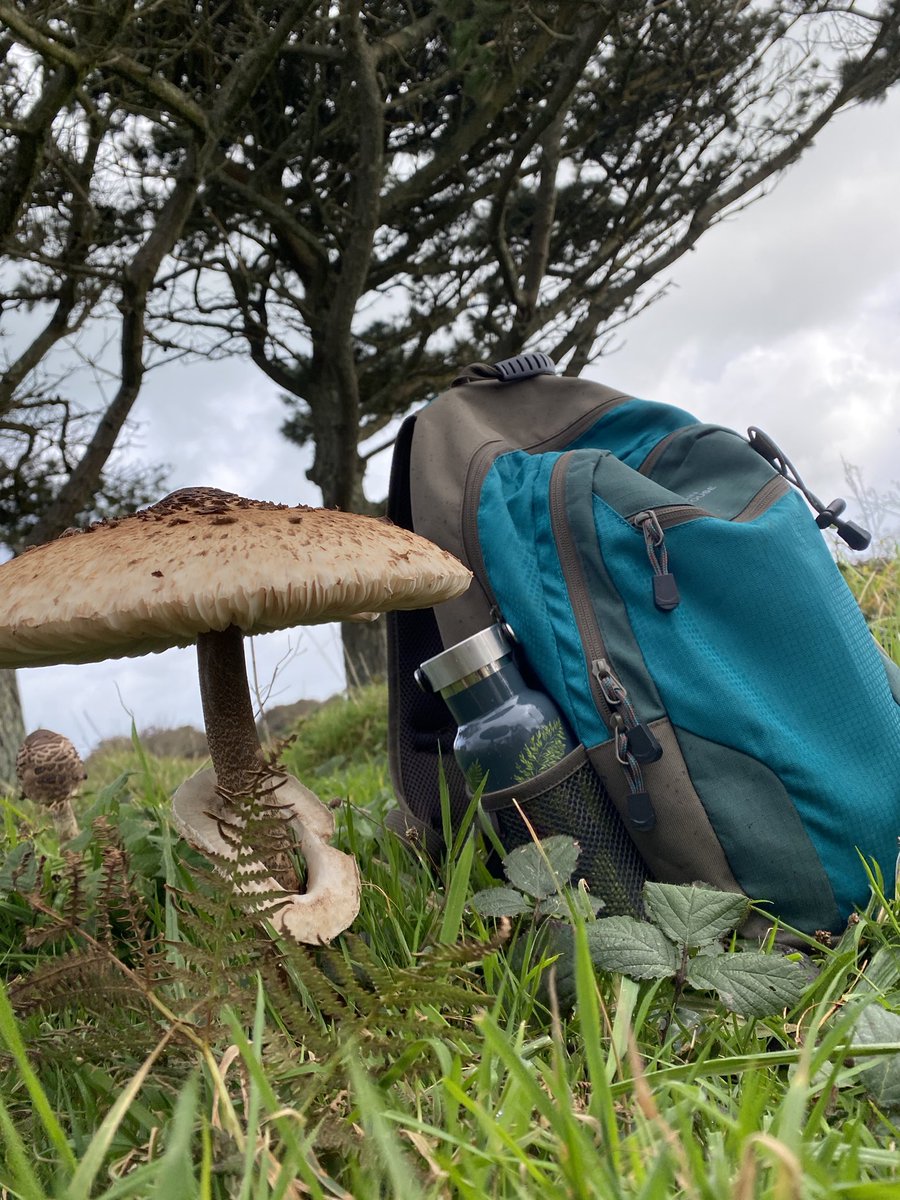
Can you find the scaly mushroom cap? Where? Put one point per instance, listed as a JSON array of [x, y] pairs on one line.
[[48, 768], [201, 560]]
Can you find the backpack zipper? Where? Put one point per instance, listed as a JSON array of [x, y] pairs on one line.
[[659, 449], [665, 589], [653, 523], [777, 487], [478, 468], [634, 741]]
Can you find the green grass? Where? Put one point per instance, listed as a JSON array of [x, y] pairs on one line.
[[155, 1043], [876, 584]]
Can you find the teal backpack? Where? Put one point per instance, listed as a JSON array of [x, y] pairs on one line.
[[670, 589]]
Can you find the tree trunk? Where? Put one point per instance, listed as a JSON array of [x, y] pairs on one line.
[[365, 651], [338, 472], [12, 729]]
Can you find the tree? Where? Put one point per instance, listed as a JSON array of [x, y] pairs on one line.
[[424, 184], [403, 186], [90, 230]]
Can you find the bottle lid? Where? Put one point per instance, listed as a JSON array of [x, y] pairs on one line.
[[466, 657]]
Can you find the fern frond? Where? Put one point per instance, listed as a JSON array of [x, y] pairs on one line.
[[76, 902], [544, 749], [475, 775], [82, 979]]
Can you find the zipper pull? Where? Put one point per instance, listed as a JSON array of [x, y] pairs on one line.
[[665, 589], [644, 744], [641, 813], [642, 741]]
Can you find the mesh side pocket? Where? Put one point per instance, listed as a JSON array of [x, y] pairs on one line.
[[570, 798]]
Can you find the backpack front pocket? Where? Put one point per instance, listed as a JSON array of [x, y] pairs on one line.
[[570, 798]]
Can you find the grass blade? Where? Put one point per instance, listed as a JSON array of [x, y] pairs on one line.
[[372, 1110], [86, 1172], [175, 1176], [457, 893], [9, 1032], [26, 1182]]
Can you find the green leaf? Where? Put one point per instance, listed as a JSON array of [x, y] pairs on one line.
[[563, 902], [175, 1176], [18, 1159], [500, 902], [882, 1079], [455, 902], [19, 871], [750, 983], [542, 869], [882, 971], [691, 915], [11, 1037], [631, 947]]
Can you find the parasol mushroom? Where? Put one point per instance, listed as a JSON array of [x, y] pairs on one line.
[[50, 771], [208, 567]]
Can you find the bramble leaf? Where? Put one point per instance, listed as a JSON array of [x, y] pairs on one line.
[[882, 1079], [694, 916], [750, 983], [562, 903], [631, 947], [540, 870], [500, 902]]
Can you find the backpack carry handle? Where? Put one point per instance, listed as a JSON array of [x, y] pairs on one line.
[[509, 370]]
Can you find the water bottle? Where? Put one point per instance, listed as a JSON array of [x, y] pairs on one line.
[[512, 740], [507, 732]]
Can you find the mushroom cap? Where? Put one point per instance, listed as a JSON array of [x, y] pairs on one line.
[[48, 767], [201, 560]]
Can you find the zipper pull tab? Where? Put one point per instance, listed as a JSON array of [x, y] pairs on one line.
[[643, 744], [640, 812], [665, 589], [665, 592]]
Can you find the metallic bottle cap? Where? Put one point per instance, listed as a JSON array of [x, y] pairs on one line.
[[482, 649]]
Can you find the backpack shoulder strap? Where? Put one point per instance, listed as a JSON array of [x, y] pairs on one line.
[[455, 441]]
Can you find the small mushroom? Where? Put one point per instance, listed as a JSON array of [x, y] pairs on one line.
[[208, 567], [50, 771]]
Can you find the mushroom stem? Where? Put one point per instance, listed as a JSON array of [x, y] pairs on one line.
[[228, 710], [63, 817]]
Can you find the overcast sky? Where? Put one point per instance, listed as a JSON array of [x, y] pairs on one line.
[[787, 316]]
